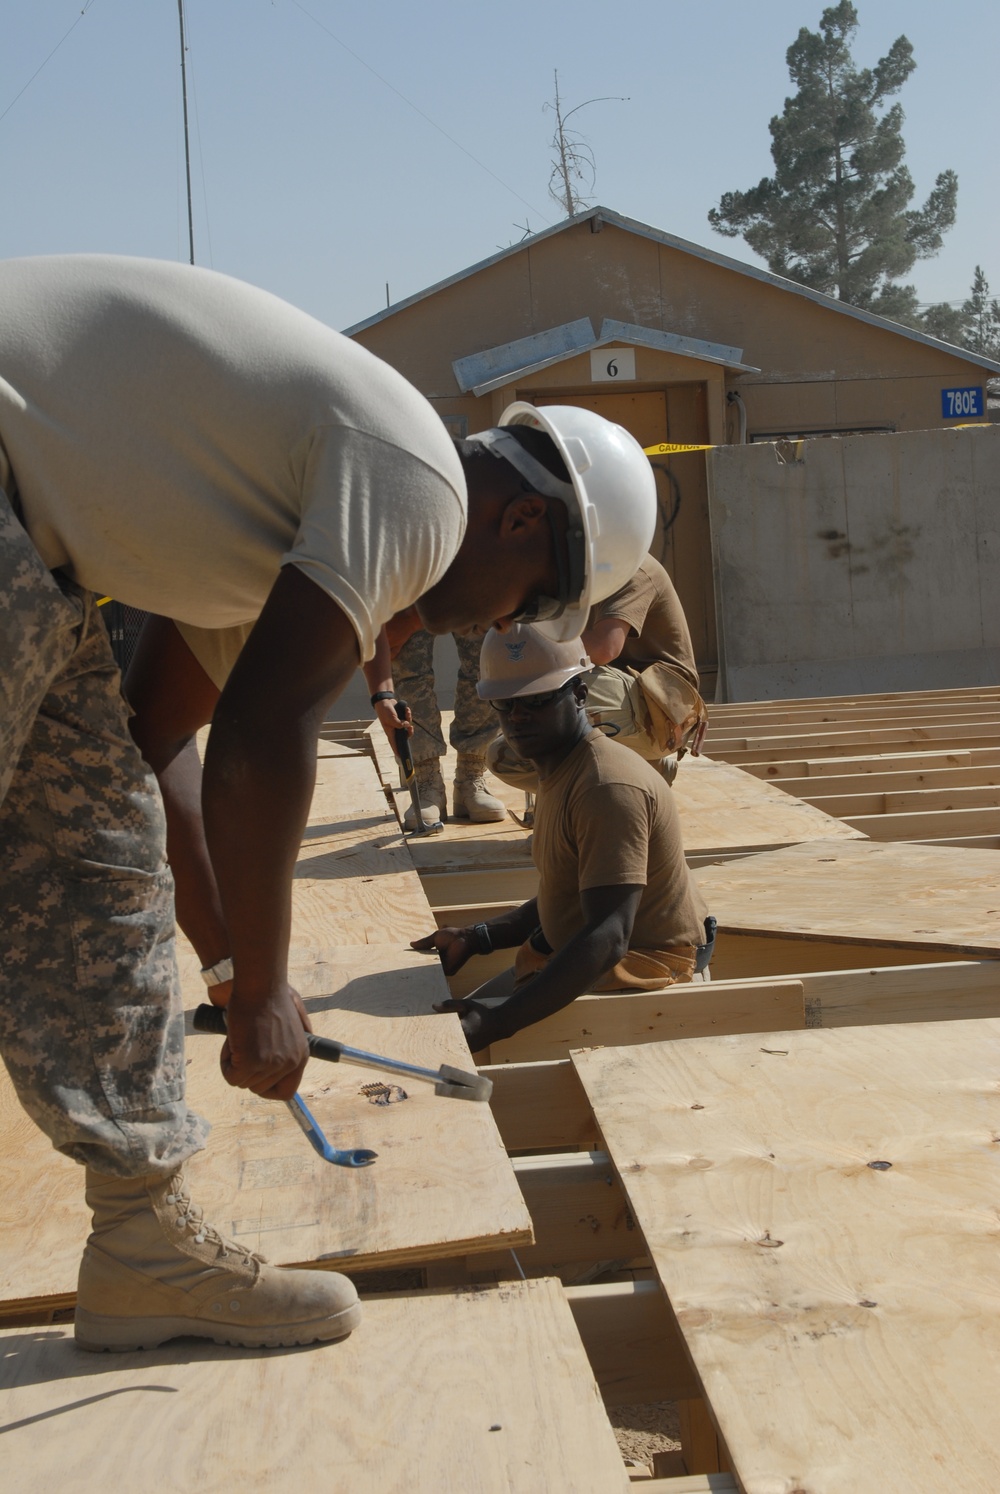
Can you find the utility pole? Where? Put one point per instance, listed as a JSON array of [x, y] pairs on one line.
[[187, 140]]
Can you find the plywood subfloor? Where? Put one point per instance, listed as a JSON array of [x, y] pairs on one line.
[[442, 1185], [484, 1390], [925, 897], [723, 808], [821, 1210]]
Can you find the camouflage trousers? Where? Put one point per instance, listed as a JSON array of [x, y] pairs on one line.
[[474, 724], [91, 1026]]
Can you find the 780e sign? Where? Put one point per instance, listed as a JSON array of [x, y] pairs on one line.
[[958, 402]]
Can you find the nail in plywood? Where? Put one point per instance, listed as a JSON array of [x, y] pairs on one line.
[[484, 1389], [821, 1212], [924, 897]]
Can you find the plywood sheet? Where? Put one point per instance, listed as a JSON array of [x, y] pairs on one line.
[[442, 1179], [442, 1185], [843, 1318], [484, 1390], [925, 897], [723, 807], [354, 881]]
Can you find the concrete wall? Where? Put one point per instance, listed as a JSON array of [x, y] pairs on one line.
[[866, 563]]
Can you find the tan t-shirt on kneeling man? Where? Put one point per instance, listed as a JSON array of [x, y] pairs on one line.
[[605, 818]]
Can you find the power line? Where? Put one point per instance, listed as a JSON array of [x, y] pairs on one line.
[[47, 60], [417, 109]]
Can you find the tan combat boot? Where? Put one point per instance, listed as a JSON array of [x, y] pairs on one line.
[[433, 804], [153, 1270], [472, 799]]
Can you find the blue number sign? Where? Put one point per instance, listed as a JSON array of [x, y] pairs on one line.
[[959, 403]]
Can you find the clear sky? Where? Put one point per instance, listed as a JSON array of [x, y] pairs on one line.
[[314, 178]]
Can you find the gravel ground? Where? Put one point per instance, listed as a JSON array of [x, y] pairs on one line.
[[645, 1430]]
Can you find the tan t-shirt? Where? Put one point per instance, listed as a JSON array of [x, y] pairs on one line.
[[605, 818], [175, 437], [658, 629]]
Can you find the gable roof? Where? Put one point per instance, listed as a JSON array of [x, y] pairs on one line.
[[600, 215]]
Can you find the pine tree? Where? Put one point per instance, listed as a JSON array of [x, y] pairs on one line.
[[974, 325], [981, 319], [835, 215]]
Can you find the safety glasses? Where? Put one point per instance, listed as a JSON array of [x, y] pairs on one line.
[[531, 702]]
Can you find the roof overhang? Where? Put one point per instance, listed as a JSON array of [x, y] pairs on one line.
[[481, 373]]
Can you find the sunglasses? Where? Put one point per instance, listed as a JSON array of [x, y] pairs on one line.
[[531, 702]]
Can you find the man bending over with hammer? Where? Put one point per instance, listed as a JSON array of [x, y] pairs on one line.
[[616, 908], [199, 449]]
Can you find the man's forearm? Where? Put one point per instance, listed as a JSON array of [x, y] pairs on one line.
[[257, 790], [572, 971], [509, 930], [196, 896], [378, 670]]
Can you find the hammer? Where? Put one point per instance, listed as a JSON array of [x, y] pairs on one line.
[[402, 741]]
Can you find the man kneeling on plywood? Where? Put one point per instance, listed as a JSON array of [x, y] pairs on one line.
[[616, 909]]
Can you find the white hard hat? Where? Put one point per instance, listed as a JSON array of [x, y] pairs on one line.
[[614, 514], [523, 661]]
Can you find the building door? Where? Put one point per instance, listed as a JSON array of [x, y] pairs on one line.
[[682, 542]]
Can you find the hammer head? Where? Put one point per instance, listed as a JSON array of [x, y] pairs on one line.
[[456, 1084]]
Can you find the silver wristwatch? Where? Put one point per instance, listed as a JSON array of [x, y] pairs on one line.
[[217, 974]]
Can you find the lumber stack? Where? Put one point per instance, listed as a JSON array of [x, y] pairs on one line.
[[922, 767]]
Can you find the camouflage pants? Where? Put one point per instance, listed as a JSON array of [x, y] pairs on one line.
[[91, 1027], [475, 722]]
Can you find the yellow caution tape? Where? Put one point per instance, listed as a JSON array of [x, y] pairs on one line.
[[671, 448]]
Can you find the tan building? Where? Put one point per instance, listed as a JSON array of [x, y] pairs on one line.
[[676, 342]]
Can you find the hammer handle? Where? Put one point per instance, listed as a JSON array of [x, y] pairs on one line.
[[213, 1019], [401, 739]]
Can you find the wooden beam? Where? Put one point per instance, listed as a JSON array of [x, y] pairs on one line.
[[692, 1010], [743, 956], [635, 1348], [446, 889], [899, 780], [826, 766], [578, 1213], [540, 1105], [924, 826]]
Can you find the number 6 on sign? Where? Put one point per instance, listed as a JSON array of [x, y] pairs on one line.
[[612, 365]]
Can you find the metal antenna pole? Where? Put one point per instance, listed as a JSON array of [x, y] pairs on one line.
[[187, 142]]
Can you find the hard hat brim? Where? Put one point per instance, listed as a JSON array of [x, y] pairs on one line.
[[505, 689]]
